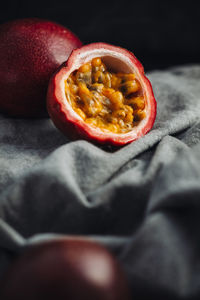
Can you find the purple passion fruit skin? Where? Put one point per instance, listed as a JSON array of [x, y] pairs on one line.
[[30, 51], [70, 268]]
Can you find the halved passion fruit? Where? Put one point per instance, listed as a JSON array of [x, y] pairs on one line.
[[101, 94]]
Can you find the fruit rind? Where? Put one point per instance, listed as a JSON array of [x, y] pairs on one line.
[[31, 50], [70, 123], [55, 268]]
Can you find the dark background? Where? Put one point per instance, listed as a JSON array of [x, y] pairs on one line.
[[160, 33]]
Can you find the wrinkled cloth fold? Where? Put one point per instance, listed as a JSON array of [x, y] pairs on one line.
[[141, 201]]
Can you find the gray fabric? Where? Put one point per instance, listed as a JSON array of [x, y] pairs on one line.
[[141, 201]]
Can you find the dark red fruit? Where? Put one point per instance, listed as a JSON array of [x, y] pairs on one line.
[[30, 51], [73, 124], [68, 269]]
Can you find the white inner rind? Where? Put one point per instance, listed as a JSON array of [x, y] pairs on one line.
[[117, 62]]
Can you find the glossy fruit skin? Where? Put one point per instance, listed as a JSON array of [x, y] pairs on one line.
[[78, 129], [72, 269], [30, 51]]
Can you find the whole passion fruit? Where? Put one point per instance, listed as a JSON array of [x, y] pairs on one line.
[[72, 269], [101, 94], [30, 51]]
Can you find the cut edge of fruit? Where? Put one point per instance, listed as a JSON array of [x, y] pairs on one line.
[[121, 60]]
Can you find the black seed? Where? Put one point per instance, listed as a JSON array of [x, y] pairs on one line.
[[101, 78], [95, 69], [132, 95], [136, 118], [79, 101], [123, 89]]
